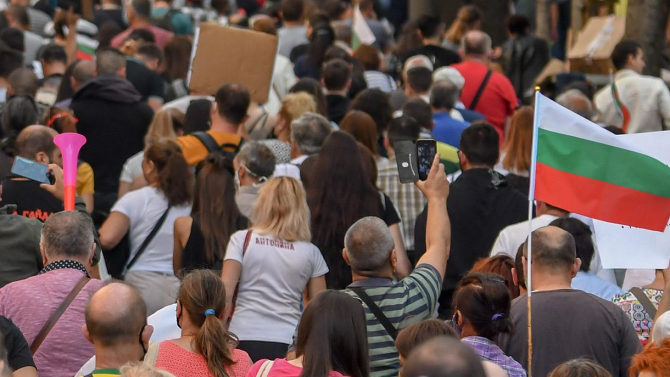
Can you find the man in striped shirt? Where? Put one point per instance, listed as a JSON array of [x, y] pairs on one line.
[[391, 306]]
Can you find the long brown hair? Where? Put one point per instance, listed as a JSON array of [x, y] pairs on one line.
[[362, 127], [518, 144], [467, 18], [214, 205], [177, 58], [200, 291], [175, 179]]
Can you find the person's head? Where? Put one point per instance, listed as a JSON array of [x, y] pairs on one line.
[[443, 357], [628, 54], [431, 28], [518, 25], [479, 146], [36, 143], [254, 164], [421, 111], [281, 210], [337, 75], [135, 39], [580, 368], [200, 306], [419, 80], [653, 361], [68, 235], [450, 74], [53, 59], [214, 204], [13, 38], [482, 306], [337, 10], [22, 82], [17, 16], [332, 336], [554, 256], [61, 120], [116, 323], [231, 104], [403, 128], [469, 17], [336, 52], [81, 73], [266, 25], [583, 239], [177, 57], [308, 133], [518, 143], [292, 10], [322, 38], [151, 55], [294, 105], [165, 167], [10, 60], [138, 10], [502, 265], [369, 247], [166, 124], [143, 370], [19, 112], [408, 39], [476, 44], [369, 57], [414, 336], [110, 61], [520, 278], [312, 87], [343, 33], [362, 127], [443, 96], [575, 101], [377, 104]]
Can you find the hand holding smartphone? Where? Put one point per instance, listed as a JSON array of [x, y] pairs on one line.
[[415, 160], [32, 170]]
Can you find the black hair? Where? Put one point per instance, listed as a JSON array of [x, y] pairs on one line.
[[142, 8], [322, 38], [377, 104], [583, 239], [518, 24], [19, 14], [484, 302], [335, 52], [10, 60], [13, 38], [429, 26], [479, 143], [420, 110], [232, 101], [518, 266], [621, 52], [420, 79], [144, 35], [292, 10], [403, 128], [54, 53], [151, 51], [20, 112], [336, 74]]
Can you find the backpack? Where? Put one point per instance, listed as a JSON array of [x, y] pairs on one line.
[[213, 147], [165, 22]]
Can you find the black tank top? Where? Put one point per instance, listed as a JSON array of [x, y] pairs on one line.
[[194, 256]]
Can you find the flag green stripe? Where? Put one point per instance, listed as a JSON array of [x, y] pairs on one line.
[[603, 162]]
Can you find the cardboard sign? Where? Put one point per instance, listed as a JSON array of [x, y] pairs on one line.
[[226, 55], [595, 43]]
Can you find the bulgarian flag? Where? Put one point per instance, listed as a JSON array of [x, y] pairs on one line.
[[361, 30], [582, 168]]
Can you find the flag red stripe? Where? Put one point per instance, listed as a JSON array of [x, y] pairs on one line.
[[601, 200]]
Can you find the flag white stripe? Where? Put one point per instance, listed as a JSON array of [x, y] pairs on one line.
[[362, 29]]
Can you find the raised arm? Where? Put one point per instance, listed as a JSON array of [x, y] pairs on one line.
[[438, 227]]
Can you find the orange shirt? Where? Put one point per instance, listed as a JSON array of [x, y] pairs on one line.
[[195, 151]]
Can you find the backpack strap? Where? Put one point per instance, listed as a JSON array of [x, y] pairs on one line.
[[207, 140], [264, 370], [644, 300], [475, 100], [381, 317], [152, 353]]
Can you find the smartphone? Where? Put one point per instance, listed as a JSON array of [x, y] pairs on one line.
[[32, 170], [425, 150], [406, 159]]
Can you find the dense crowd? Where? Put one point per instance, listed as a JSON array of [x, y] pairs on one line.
[[217, 236]]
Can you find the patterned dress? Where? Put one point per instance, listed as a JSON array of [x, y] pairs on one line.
[[642, 321]]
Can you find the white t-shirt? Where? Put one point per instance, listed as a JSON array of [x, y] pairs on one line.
[[274, 276], [513, 236], [132, 168], [144, 207]]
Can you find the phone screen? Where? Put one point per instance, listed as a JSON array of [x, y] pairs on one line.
[[31, 170], [426, 150]]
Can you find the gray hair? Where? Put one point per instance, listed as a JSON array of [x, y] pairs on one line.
[[68, 234], [444, 95], [258, 159], [369, 244], [577, 102], [309, 132], [476, 42]]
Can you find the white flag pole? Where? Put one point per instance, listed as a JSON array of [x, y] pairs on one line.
[[531, 202]]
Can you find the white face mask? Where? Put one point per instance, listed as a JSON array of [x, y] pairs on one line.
[[236, 179]]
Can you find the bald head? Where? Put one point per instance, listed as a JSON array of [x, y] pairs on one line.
[[369, 244], [577, 102], [35, 140], [115, 315], [553, 249], [476, 43], [110, 61]]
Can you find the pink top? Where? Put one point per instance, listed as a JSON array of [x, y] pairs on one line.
[[184, 363], [162, 36], [29, 303], [282, 368]]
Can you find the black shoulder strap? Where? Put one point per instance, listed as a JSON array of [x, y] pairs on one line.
[[390, 329], [475, 100], [207, 140], [148, 240], [644, 301]]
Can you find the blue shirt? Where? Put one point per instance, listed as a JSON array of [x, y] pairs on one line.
[[470, 116], [590, 283], [447, 129]]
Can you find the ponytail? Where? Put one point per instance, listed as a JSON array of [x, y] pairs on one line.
[[212, 342], [175, 179]]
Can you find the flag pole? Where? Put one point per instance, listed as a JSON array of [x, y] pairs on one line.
[[531, 200]]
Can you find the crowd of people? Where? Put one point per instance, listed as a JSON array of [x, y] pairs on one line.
[[217, 236]]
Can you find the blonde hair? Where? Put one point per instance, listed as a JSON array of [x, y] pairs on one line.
[[143, 370], [281, 210], [294, 105], [518, 143], [163, 125]]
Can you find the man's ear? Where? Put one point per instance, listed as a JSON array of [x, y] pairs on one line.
[[393, 259], [515, 277], [345, 256], [42, 158], [44, 255], [146, 334], [575, 267], [84, 330], [90, 258]]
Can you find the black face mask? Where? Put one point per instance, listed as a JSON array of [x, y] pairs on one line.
[[144, 349], [178, 324]]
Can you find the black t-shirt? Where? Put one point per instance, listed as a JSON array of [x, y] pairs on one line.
[[30, 200], [194, 254], [147, 82], [18, 351], [389, 212], [441, 57]]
